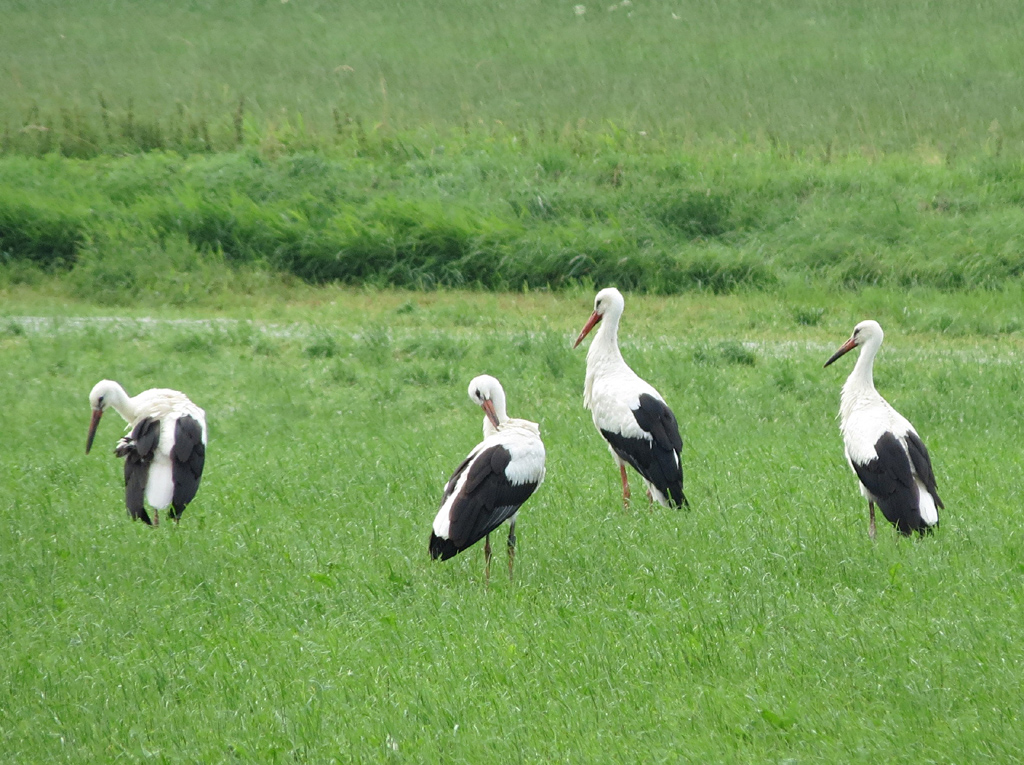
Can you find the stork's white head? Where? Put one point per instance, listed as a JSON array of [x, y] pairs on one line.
[[608, 303], [105, 393], [486, 392], [868, 332]]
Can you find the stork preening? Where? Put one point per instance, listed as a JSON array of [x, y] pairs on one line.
[[631, 415], [164, 452], [882, 446], [492, 483]]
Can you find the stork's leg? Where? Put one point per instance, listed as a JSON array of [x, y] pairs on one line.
[[625, 487], [871, 526], [156, 517], [487, 559], [511, 547]]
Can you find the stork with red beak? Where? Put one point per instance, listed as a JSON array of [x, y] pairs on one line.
[[882, 446], [492, 483], [165, 451], [628, 412]]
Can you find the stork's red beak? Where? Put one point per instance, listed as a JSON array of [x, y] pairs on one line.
[[488, 407], [595, 317], [96, 414], [846, 347]]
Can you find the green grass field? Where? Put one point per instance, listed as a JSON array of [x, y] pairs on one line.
[[294, 615], [877, 75], [240, 199]]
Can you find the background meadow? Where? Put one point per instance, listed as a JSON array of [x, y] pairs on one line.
[[878, 74], [321, 219]]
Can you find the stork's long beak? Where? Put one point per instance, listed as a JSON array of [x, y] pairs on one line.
[[595, 317], [846, 347], [488, 407], [96, 414]]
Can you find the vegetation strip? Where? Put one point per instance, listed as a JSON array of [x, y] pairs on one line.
[[544, 218]]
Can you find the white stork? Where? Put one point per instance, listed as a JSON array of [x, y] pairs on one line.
[[165, 451], [882, 447], [491, 484], [631, 415]]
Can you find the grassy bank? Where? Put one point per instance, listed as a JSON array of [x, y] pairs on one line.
[[169, 150], [499, 215]]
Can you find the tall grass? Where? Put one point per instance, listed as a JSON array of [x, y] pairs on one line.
[[209, 75]]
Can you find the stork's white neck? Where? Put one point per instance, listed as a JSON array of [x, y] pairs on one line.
[[603, 356], [115, 396], [859, 387], [605, 347]]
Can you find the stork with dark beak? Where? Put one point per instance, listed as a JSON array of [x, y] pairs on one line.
[[165, 452]]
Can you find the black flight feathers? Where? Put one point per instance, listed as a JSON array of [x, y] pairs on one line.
[[923, 465], [137, 450], [486, 500], [890, 480], [658, 459], [187, 457]]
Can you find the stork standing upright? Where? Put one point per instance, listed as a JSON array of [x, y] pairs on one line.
[[163, 454], [491, 484], [882, 446], [631, 415]]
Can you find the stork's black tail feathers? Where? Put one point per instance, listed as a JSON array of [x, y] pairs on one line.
[[442, 548], [677, 498]]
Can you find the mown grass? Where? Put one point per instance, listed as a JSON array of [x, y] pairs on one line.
[[293, 614], [650, 218], [203, 75]]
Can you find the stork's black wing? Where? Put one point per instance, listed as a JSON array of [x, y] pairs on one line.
[[486, 500], [187, 458], [657, 459], [889, 479], [138, 449]]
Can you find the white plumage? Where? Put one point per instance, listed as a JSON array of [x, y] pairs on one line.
[[629, 413], [494, 480], [164, 452], [882, 447]]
